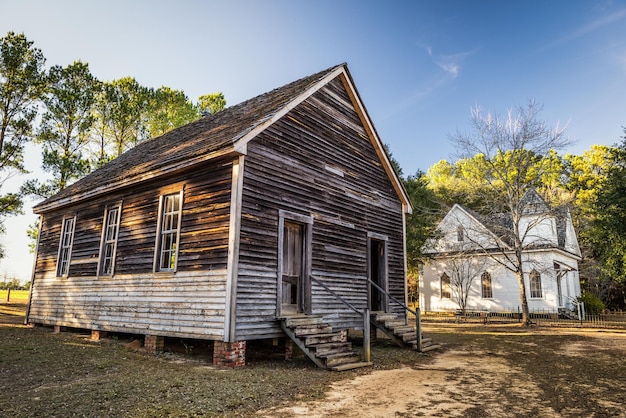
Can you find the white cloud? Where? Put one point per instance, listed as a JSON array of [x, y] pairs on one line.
[[451, 64]]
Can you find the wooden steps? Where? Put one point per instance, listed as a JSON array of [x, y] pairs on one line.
[[400, 332], [328, 349]]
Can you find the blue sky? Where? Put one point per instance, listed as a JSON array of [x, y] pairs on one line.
[[419, 66]]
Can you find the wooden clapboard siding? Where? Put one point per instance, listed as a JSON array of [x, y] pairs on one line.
[[316, 161], [184, 305], [143, 299]]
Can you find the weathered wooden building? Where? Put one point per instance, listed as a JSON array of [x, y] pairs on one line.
[[221, 229]]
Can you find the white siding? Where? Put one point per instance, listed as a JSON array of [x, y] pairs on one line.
[[504, 284]]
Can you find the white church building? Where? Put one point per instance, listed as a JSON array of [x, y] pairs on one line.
[[467, 257]]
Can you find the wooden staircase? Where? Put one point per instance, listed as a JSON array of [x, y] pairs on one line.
[[400, 332], [328, 349]]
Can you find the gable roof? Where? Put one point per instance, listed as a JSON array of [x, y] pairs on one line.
[[500, 225], [532, 203], [466, 218], [224, 133]]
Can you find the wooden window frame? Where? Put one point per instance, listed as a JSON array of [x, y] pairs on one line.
[[486, 289], [172, 232], [106, 241], [445, 288], [536, 290], [64, 256]]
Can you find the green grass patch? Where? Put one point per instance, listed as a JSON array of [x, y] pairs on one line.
[[15, 296]]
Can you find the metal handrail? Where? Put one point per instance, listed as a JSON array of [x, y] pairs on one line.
[[416, 312], [329, 290], [406, 308], [365, 313]]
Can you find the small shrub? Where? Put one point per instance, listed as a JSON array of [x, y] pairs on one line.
[[593, 304]]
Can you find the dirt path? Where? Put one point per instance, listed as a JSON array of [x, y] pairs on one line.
[[458, 383], [446, 388]]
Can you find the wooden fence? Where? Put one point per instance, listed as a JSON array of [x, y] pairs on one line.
[[616, 320]]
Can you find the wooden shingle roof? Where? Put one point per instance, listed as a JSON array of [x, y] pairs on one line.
[[224, 133]]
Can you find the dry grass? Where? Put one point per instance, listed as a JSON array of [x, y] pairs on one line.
[[67, 374]]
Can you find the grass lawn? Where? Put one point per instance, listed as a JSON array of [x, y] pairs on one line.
[[67, 374], [18, 296], [42, 374]]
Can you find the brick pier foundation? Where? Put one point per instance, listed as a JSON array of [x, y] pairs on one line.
[[97, 335], [229, 355], [153, 343]]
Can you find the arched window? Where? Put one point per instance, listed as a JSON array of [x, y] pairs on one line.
[[445, 286], [487, 290], [535, 284]]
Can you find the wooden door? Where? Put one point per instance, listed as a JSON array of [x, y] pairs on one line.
[[378, 275], [293, 283]]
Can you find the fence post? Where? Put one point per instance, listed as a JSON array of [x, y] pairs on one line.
[[581, 312], [366, 335], [519, 316], [9, 294], [418, 329]]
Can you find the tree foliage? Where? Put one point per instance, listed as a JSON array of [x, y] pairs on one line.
[[211, 103], [66, 126], [421, 223], [608, 234], [85, 123], [169, 109], [121, 109], [22, 80]]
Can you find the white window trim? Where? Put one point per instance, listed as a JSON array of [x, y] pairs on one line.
[[482, 287], [441, 296], [460, 233], [157, 246], [61, 247], [103, 239], [530, 286]]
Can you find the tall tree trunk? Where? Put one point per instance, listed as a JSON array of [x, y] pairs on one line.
[[523, 298]]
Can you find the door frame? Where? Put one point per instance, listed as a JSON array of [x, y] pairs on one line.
[[305, 288], [383, 269]]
